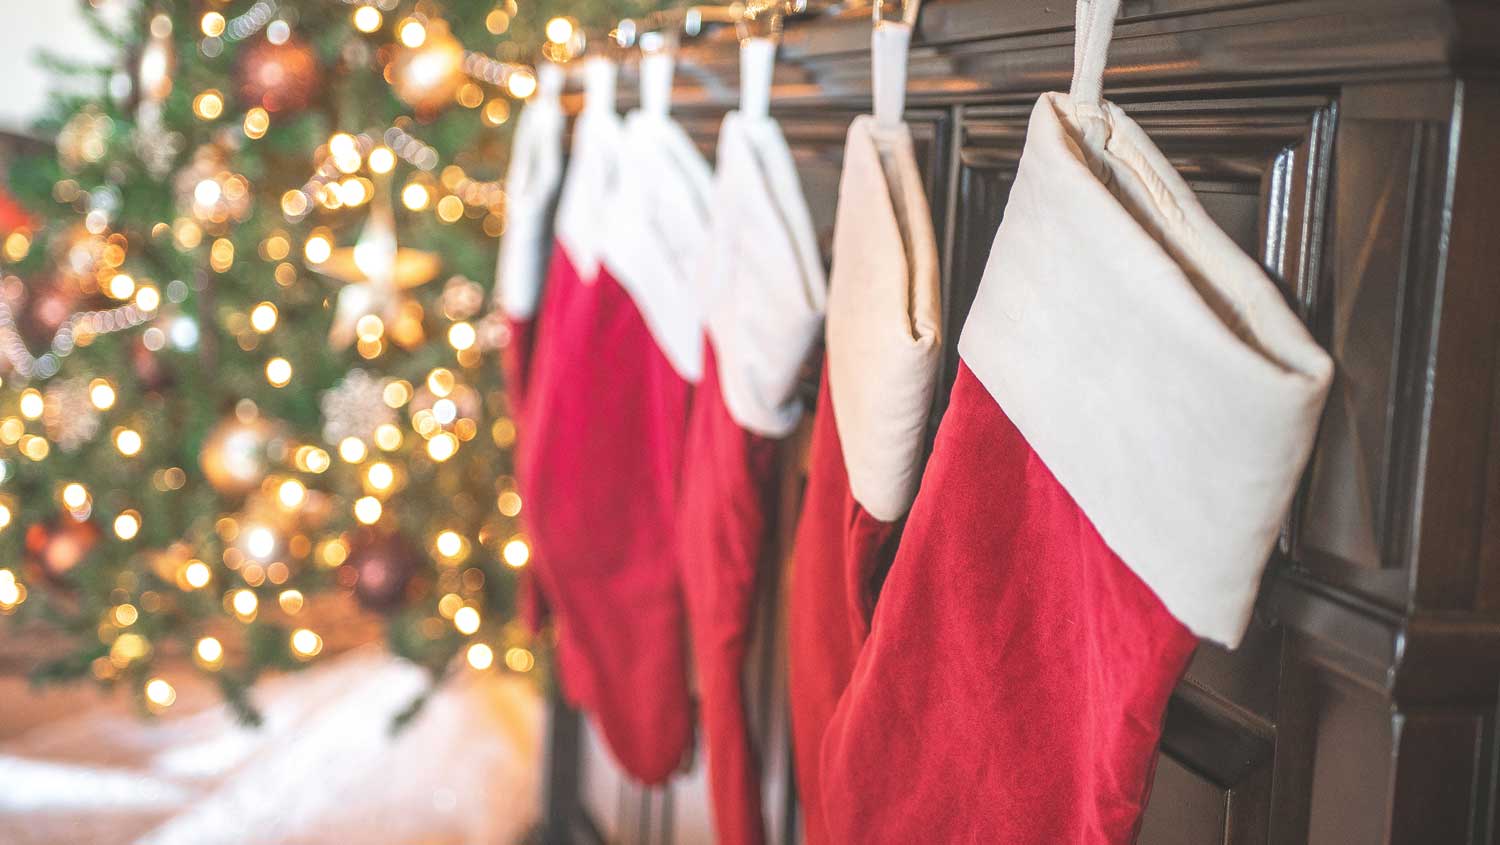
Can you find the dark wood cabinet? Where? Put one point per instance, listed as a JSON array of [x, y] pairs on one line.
[[1353, 146]]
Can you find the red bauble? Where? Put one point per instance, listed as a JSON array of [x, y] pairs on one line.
[[383, 564], [54, 549], [278, 77]]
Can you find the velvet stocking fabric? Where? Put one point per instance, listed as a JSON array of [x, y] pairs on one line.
[[1015, 680]]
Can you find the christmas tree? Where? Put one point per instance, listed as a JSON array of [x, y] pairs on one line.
[[248, 362]]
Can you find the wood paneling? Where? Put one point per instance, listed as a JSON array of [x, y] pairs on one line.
[[1351, 147]]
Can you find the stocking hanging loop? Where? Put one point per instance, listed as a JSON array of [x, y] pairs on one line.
[[656, 82], [1095, 25], [890, 43]]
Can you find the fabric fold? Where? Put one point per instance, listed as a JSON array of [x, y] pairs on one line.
[[764, 288], [879, 378]]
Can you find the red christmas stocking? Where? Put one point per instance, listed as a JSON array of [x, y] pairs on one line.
[[765, 312], [883, 343], [531, 182], [561, 349], [1135, 406], [608, 419]]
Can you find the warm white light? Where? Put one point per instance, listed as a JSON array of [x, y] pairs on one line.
[[147, 298], [461, 336], [367, 509], [381, 159], [209, 651], [127, 525], [442, 447], [352, 450], [197, 574], [519, 659], [260, 542], [101, 396], [380, 475], [305, 643], [292, 493], [128, 442], [466, 620], [75, 495], [559, 30], [121, 286], [415, 196], [32, 404], [244, 603], [481, 656], [450, 544], [279, 372], [521, 84], [412, 33], [317, 249], [515, 553], [160, 693], [263, 317], [367, 19]]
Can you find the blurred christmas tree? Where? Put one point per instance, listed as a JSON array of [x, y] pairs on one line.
[[246, 357]]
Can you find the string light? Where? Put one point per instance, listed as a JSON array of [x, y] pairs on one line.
[[509, 503], [412, 33], [160, 694], [519, 659], [208, 105], [244, 604], [305, 643], [125, 615], [291, 602], [209, 653], [101, 395], [515, 553], [263, 317], [352, 450], [147, 298], [279, 372], [12, 591], [367, 19], [449, 544], [381, 476], [559, 30], [128, 442], [75, 495], [462, 336], [196, 574], [257, 121], [32, 404], [466, 620], [127, 525], [388, 437], [440, 381], [521, 84], [381, 160], [442, 447], [5, 516], [213, 24], [367, 510], [318, 248], [121, 286], [291, 493], [480, 656], [415, 196]]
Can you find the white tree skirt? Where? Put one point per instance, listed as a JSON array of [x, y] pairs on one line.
[[324, 766]]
